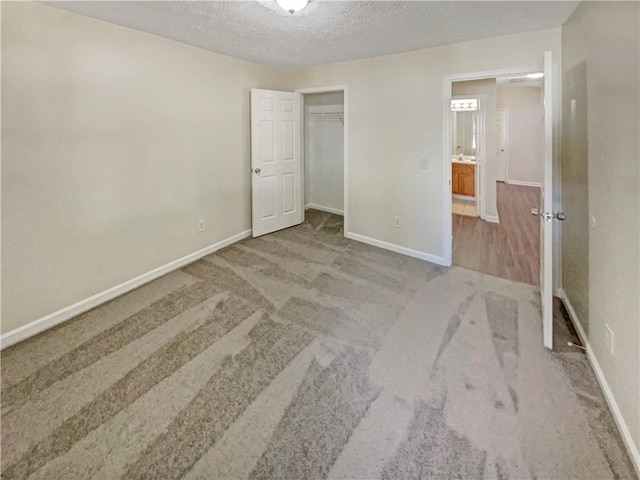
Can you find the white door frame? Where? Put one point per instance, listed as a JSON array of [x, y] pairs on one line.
[[546, 230], [329, 89], [447, 81]]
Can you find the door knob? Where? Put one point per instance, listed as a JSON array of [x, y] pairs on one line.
[[548, 216], [257, 170]]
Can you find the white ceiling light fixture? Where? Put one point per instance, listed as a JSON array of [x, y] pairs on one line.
[[535, 76], [292, 6], [464, 105]]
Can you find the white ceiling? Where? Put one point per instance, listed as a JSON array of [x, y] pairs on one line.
[[325, 31]]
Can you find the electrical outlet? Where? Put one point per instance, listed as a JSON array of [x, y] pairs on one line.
[[201, 225], [608, 338], [424, 164], [397, 222]]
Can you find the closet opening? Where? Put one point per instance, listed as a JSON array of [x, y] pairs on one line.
[[324, 148]]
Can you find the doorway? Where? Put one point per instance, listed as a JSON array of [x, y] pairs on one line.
[[502, 238], [325, 154], [278, 193], [467, 151], [542, 209]]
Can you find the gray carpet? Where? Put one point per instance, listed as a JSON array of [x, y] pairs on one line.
[[305, 355]]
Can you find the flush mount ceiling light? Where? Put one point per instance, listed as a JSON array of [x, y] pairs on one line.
[[292, 6], [535, 76]]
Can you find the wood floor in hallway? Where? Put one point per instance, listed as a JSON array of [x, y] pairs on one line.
[[509, 249]]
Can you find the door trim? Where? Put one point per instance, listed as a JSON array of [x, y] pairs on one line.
[[329, 89], [447, 81], [546, 231]]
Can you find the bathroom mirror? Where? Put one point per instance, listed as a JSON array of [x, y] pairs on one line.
[[464, 127]]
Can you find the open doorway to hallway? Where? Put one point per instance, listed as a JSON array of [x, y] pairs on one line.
[[509, 249], [493, 230]]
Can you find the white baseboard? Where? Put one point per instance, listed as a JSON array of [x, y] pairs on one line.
[[525, 184], [491, 218], [632, 448], [499, 178], [396, 248], [40, 325], [323, 209]]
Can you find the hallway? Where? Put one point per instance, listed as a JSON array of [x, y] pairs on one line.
[[510, 249]]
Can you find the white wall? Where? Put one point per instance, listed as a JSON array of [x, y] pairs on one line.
[[396, 119], [324, 98], [324, 152], [114, 143], [600, 51], [525, 134]]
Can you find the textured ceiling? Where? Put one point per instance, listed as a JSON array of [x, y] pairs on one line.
[[325, 31]]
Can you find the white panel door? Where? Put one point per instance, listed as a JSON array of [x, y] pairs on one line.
[[501, 147], [276, 166], [546, 211]]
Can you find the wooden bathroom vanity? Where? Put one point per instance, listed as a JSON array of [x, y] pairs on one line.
[[463, 178]]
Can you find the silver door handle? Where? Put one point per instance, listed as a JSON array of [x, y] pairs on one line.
[[257, 170], [548, 216]]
